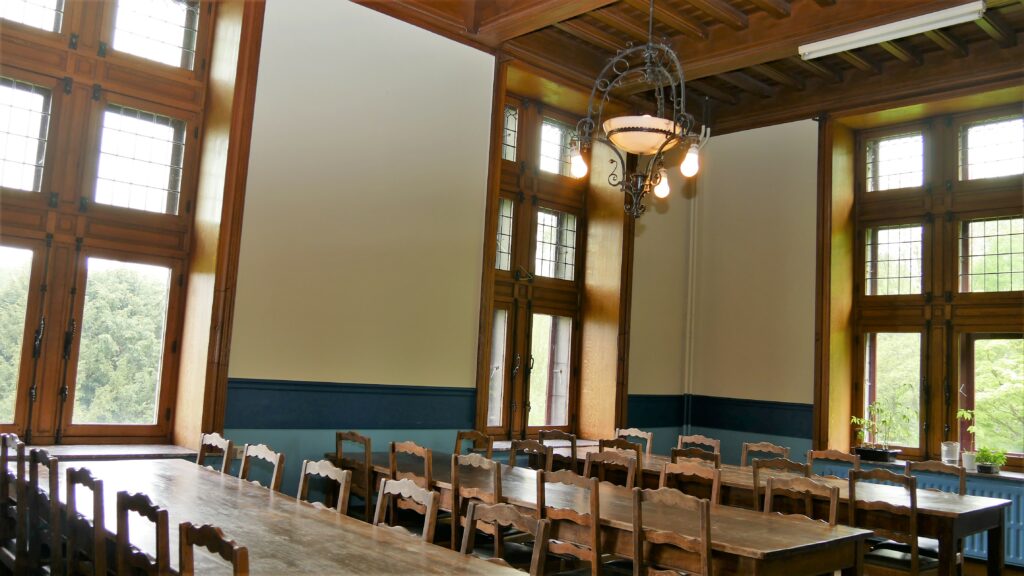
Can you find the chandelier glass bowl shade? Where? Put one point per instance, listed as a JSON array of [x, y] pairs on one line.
[[651, 67]]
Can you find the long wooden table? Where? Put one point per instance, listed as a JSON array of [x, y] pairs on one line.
[[743, 541], [283, 535]]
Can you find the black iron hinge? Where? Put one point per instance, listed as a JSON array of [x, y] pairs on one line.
[[68, 83], [73, 41], [102, 50], [97, 91]]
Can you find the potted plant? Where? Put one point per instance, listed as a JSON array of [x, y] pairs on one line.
[[874, 433], [968, 456], [990, 459]]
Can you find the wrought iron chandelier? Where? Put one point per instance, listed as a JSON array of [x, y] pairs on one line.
[[653, 64]]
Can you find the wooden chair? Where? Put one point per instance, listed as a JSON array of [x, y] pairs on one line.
[[264, 453], [647, 437], [213, 539], [559, 462], [782, 464], [588, 548], [538, 456], [324, 469], [14, 541], [361, 466], [900, 525], [507, 516], [424, 480], [477, 438], [694, 478], [482, 485], [622, 445], [761, 447], [696, 454], [698, 440], [833, 455], [682, 508], [86, 552], [214, 444], [406, 489], [43, 525], [131, 560], [623, 467], [802, 491]]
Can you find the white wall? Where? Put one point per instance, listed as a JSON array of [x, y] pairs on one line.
[[364, 215]]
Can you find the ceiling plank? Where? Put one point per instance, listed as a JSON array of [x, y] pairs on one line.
[[903, 52], [679, 22], [470, 16], [777, 8], [819, 69], [769, 39], [826, 2], [859, 61], [784, 78], [748, 83], [951, 44], [620, 22], [591, 34], [723, 12], [540, 14], [712, 92], [994, 25]]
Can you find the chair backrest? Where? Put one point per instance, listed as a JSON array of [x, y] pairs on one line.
[[622, 445], [762, 447], [938, 467], [901, 521], [328, 471], [622, 465], [9, 443], [214, 540], [14, 557], [801, 491], [538, 456], [86, 551], [44, 514], [420, 474], [406, 489], [262, 452], [131, 560], [558, 461], [476, 437], [835, 455], [213, 444], [698, 440], [647, 437], [697, 454], [506, 515], [360, 463], [682, 508], [589, 518], [474, 478], [697, 478], [782, 464]]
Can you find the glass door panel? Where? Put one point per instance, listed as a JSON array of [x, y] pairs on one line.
[[995, 391], [15, 275], [892, 382], [496, 378], [550, 353]]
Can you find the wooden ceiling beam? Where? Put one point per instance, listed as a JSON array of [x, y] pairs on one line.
[[524, 19], [784, 78], [621, 23], [819, 69], [948, 42], [712, 92], [997, 28], [777, 8], [826, 2], [860, 61], [748, 83], [903, 52], [590, 34], [723, 12], [679, 22]]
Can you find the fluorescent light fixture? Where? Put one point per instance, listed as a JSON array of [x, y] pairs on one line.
[[916, 25]]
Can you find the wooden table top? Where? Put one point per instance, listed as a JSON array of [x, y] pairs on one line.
[[283, 535], [115, 451]]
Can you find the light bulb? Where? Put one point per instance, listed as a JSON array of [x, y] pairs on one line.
[[577, 166], [691, 163], [662, 189]]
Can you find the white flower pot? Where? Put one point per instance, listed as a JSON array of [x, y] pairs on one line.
[[969, 463]]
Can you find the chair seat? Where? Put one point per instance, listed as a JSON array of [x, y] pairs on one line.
[[898, 560], [516, 554], [925, 546]]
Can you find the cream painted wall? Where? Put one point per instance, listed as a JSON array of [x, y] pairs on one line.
[[364, 216], [754, 268]]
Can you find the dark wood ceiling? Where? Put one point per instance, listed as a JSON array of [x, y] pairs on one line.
[[741, 54]]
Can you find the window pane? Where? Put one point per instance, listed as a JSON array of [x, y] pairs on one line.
[[160, 30], [895, 162], [15, 273], [508, 140], [120, 358], [550, 344], [24, 124], [992, 255], [504, 257], [893, 260], [44, 14], [892, 381], [999, 394], [140, 160], [554, 147], [556, 245], [496, 382], [992, 149]]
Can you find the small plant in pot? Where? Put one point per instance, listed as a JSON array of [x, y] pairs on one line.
[[990, 459], [968, 456], [875, 432]]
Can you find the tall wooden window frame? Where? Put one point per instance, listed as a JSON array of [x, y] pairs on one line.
[[945, 316], [84, 73]]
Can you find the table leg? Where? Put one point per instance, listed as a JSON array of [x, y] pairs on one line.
[[947, 551], [996, 542], [858, 566]]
